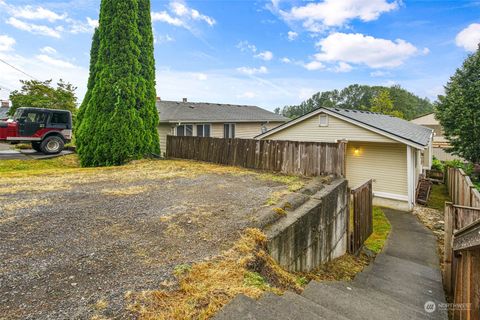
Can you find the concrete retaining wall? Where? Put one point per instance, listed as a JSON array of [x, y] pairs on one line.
[[314, 233]]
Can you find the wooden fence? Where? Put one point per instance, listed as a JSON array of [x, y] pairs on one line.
[[462, 259], [300, 158], [461, 189], [362, 205]]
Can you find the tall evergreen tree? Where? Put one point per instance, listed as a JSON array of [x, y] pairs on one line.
[[91, 77], [117, 122], [459, 110], [147, 105]]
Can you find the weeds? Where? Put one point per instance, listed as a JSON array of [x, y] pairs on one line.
[[209, 285], [381, 229]]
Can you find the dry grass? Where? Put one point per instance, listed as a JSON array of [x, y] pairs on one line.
[[129, 191], [344, 268], [206, 287], [61, 173]]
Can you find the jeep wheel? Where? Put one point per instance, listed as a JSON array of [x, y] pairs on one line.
[[36, 146], [52, 145]]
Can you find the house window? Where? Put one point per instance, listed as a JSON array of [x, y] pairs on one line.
[[185, 130], [203, 130], [229, 130], [323, 120]]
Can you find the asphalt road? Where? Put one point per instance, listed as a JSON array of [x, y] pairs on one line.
[[8, 152]]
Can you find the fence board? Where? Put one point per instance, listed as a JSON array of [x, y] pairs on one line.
[[462, 257], [362, 204], [290, 157], [461, 189]]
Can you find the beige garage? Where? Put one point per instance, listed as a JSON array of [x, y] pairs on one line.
[[391, 151]]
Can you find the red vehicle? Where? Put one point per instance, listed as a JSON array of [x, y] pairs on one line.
[[47, 130]]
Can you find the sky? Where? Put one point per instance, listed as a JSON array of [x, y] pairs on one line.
[[266, 53]]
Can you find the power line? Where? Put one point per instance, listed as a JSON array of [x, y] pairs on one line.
[[12, 66]]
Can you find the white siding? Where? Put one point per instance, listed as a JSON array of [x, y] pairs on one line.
[[163, 131], [386, 163], [337, 129], [242, 130], [246, 130]]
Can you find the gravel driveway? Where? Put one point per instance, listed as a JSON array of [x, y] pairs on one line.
[[73, 243]]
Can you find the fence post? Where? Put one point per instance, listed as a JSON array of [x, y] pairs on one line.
[[448, 253]]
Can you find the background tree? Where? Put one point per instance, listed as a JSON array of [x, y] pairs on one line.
[[41, 94], [359, 97], [459, 110], [382, 103], [115, 127]]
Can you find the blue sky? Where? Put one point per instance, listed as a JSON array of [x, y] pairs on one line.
[[266, 53]]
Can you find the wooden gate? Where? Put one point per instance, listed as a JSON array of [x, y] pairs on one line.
[[362, 211]]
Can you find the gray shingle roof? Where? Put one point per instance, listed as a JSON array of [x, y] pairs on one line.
[[392, 125], [3, 113], [172, 111]]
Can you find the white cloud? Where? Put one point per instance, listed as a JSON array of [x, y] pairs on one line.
[[87, 26], [55, 62], [201, 76], [343, 67], [306, 93], [48, 50], [292, 35], [360, 49], [469, 38], [41, 69], [245, 46], [379, 73], [182, 10], [163, 16], [286, 60], [34, 13], [181, 15], [334, 13], [265, 55], [6, 43], [247, 95], [253, 71], [314, 65], [35, 28], [164, 38]]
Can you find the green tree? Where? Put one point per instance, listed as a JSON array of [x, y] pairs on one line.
[[91, 77], [41, 94], [115, 126], [459, 109], [382, 103], [147, 105], [359, 97]]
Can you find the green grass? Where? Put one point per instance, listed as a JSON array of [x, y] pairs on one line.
[[438, 196], [37, 166], [381, 229]]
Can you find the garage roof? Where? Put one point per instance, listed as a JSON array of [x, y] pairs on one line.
[[389, 126]]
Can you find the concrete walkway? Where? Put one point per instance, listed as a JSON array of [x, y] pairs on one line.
[[399, 284]]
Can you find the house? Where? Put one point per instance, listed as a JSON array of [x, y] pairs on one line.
[[4, 108], [440, 143], [391, 151], [213, 120]]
